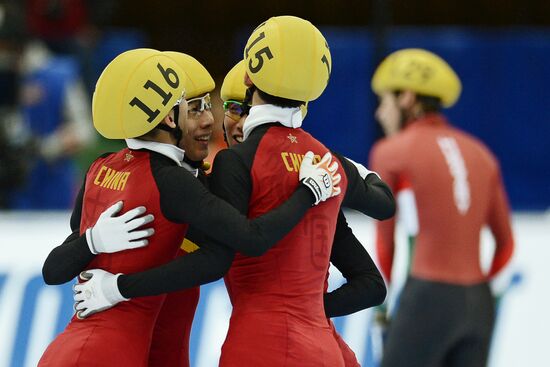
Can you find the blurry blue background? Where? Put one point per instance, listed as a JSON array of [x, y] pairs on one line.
[[499, 49], [504, 101]]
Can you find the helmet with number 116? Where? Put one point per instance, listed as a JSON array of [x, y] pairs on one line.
[[288, 57], [136, 91]]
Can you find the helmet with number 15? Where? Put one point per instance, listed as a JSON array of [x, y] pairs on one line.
[[288, 57]]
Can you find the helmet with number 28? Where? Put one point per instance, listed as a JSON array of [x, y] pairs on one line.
[[420, 71], [136, 91], [288, 57]]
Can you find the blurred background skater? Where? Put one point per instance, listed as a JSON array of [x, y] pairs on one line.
[[445, 314], [56, 114]]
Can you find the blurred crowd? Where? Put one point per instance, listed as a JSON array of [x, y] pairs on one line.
[[51, 52]]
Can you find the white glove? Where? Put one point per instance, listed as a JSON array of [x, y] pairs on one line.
[[320, 178], [112, 234], [99, 292]]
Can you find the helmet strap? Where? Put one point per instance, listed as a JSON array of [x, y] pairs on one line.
[[248, 95], [176, 131], [194, 164], [225, 135]]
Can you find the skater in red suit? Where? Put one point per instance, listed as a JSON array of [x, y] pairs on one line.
[[445, 314], [286, 286], [140, 97], [364, 285]]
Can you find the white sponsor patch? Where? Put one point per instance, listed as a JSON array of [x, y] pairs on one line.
[[455, 162]]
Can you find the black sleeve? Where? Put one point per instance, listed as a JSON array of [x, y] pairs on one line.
[[67, 260], [185, 200], [195, 236], [370, 196], [364, 285], [231, 180], [207, 264]]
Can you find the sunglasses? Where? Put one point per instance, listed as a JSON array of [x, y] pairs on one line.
[[236, 109], [176, 105], [182, 97], [200, 104]]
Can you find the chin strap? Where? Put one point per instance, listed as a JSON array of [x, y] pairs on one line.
[[225, 135], [176, 132], [248, 96], [202, 165]]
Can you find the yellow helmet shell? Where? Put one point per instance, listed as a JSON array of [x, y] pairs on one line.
[[288, 57], [233, 86], [200, 80], [135, 92], [420, 71]]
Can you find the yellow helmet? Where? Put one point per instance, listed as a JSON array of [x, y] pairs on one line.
[[288, 57], [200, 80], [420, 71], [135, 92], [233, 86]]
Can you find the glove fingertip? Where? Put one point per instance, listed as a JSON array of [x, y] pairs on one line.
[[148, 219], [138, 244], [308, 157], [84, 275], [118, 206], [112, 210]]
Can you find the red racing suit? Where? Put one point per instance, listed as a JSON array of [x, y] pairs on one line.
[[457, 188], [127, 328], [278, 317]]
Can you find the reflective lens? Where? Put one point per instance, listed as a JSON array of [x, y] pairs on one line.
[[236, 108]]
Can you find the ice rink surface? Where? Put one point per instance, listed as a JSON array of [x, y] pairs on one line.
[[31, 313]]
